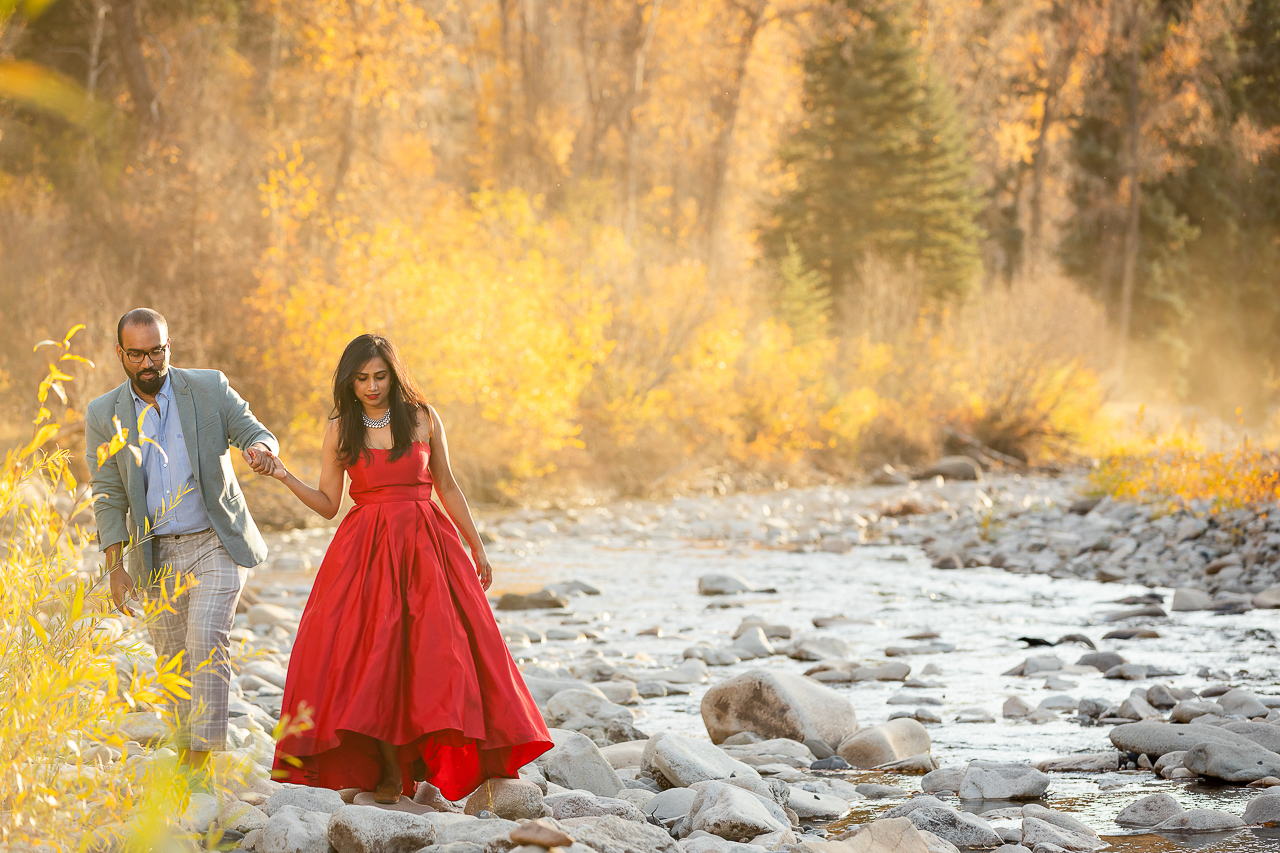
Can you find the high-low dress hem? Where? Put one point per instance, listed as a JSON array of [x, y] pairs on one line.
[[398, 643]]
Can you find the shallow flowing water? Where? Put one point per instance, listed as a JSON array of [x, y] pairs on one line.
[[892, 592]]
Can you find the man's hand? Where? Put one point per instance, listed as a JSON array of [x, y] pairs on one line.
[[275, 468], [122, 588], [259, 457]]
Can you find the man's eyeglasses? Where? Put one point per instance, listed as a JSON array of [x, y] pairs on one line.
[[156, 355]]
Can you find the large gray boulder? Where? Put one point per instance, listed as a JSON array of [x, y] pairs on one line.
[[1264, 735], [1155, 739], [577, 709], [809, 805], [775, 704], [611, 834], [1187, 710], [671, 805], [886, 835], [1149, 811], [1037, 832], [576, 804], [960, 828], [454, 828], [324, 800], [293, 830], [993, 780], [733, 813], [1232, 762], [684, 761], [885, 743], [575, 762], [1242, 702], [1263, 810], [512, 799], [369, 829], [1200, 820], [946, 779]]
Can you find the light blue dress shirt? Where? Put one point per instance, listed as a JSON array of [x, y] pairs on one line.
[[167, 478]]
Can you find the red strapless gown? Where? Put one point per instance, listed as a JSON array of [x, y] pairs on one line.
[[398, 643]]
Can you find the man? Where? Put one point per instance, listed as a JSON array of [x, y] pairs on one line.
[[181, 511]]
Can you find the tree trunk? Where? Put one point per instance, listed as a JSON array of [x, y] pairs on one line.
[[633, 132], [1128, 273], [132, 62], [723, 149]]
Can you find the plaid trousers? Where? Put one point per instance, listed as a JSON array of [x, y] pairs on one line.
[[199, 625]]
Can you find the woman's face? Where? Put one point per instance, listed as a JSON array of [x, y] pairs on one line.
[[373, 383]]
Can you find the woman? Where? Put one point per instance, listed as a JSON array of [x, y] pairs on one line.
[[398, 656]]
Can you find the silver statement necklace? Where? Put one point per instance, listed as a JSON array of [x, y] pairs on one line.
[[379, 423]]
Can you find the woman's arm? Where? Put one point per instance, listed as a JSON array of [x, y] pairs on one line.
[[451, 497], [327, 499]]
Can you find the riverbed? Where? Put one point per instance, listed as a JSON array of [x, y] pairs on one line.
[[648, 612]]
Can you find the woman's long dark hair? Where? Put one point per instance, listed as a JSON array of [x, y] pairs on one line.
[[405, 397]]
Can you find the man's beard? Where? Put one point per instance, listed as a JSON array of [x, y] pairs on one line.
[[151, 383]]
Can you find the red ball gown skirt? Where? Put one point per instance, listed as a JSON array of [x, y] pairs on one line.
[[398, 643]]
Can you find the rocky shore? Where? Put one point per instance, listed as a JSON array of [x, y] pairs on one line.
[[920, 666]]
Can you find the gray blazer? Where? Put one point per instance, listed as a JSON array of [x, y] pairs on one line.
[[214, 419]]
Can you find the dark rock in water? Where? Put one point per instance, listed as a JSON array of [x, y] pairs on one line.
[[1101, 661], [1145, 598], [1132, 634], [540, 600], [1033, 642], [831, 762], [948, 561], [1149, 610], [1081, 639]]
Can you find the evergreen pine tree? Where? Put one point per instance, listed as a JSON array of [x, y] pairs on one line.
[[803, 301], [881, 163]]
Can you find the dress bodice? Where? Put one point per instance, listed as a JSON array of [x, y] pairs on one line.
[[379, 480]]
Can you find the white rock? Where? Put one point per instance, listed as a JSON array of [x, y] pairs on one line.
[[990, 780], [685, 761], [293, 830], [575, 762]]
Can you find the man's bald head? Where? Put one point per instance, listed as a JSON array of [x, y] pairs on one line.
[[142, 317]]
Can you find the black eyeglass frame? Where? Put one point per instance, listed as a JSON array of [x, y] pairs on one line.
[[156, 355]]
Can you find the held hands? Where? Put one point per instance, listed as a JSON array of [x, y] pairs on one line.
[[266, 463], [258, 457]]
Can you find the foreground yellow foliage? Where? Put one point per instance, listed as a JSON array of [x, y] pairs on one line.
[[70, 674], [1177, 471]]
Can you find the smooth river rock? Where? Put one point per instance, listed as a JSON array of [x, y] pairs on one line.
[[1232, 762], [1155, 739], [773, 704], [294, 830], [733, 813], [1149, 811], [684, 761], [369, 829], [575, 762], [1200, 820], [991, 780], [885, 743]]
